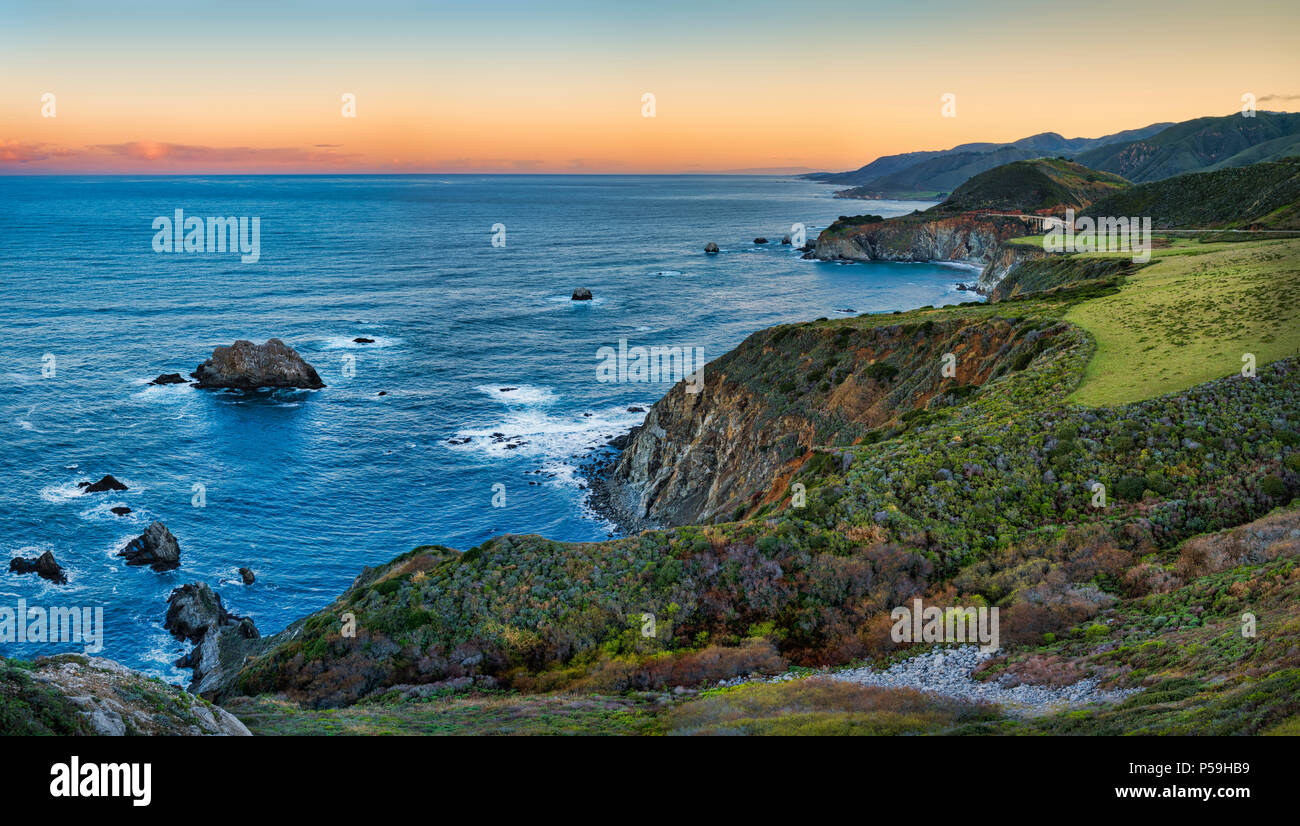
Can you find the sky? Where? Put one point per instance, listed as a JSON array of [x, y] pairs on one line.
[[560, 87]]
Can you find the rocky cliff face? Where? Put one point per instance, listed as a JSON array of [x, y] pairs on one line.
[[74, 694], [782, 396], [968, 238], [1005, 259]]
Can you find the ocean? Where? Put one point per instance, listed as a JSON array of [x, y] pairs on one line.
[[487, 367]]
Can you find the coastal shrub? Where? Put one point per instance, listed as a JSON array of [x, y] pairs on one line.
[[1273, 487], [1131, 488]]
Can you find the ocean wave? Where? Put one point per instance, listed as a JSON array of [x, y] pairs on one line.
[[536, 433], [518, 394]]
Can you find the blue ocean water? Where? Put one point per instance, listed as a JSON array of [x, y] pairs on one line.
[[306, 488]]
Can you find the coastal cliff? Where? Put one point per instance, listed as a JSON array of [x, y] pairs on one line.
[[783, 395], [970, 239]]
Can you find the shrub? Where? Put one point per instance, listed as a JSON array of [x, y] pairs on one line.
[[1131, 488], [1273, 487]]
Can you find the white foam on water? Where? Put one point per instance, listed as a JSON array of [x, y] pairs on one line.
[[518, 394], [537, 432], [61, 492], [103, 512], [346, 342]]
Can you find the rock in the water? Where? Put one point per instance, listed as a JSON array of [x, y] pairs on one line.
[[246, 574], [107, 483], [786, 240], [582, 294], [195, 613], [363, 340], [121, 510], [43, 566], [710, 247], [636, 409], [760, 240], [155, 547], [247, 366], [169, 378]]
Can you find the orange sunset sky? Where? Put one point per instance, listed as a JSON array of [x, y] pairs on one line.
[[557, 87]]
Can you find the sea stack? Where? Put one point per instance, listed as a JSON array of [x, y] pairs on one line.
[[43, 566], [248, 366], [711, 248], [105, 484], [156, 547], [582, 294]]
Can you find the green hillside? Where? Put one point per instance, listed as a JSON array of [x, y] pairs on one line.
[[1259, 196], [1033, 186], [1199, 145]]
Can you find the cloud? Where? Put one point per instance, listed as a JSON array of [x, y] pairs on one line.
[[16, 152], [136, 156], [154, 151], [1267, 98]]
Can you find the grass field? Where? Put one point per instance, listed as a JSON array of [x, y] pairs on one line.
[[1189, 317], [495, 713]]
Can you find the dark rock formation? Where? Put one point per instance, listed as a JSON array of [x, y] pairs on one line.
[[43, 566], [582, 294], [785, 241], [169, 378], [107, 483], [246, 574], [247, 366], [155, 547], [363, 340], [222, 639], [121, 510], [760, 240], [711, 247]]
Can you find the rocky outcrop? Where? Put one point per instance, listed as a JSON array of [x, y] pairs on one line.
[[581, 294], [44, 566], [105, 484], [247, 575], [248, 366], [1044, 273], [782, 396], [169, 378], [156, 547], [711, 247], [1003, 261], [222, 639], [969, 239], [93, 696]]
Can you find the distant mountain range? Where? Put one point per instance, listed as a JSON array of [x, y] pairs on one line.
[[1153, 152]]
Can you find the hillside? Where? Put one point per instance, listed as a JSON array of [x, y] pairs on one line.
[[945, 170], [1199, 145], [1259, 196], [960, 228], [1041, 186]]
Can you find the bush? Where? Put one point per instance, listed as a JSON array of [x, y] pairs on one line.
[[1131, 488], [1273, 487]]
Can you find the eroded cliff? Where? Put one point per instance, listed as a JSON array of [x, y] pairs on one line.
[[783, 395]]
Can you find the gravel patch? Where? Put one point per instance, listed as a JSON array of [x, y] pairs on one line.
[[947, 672]]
